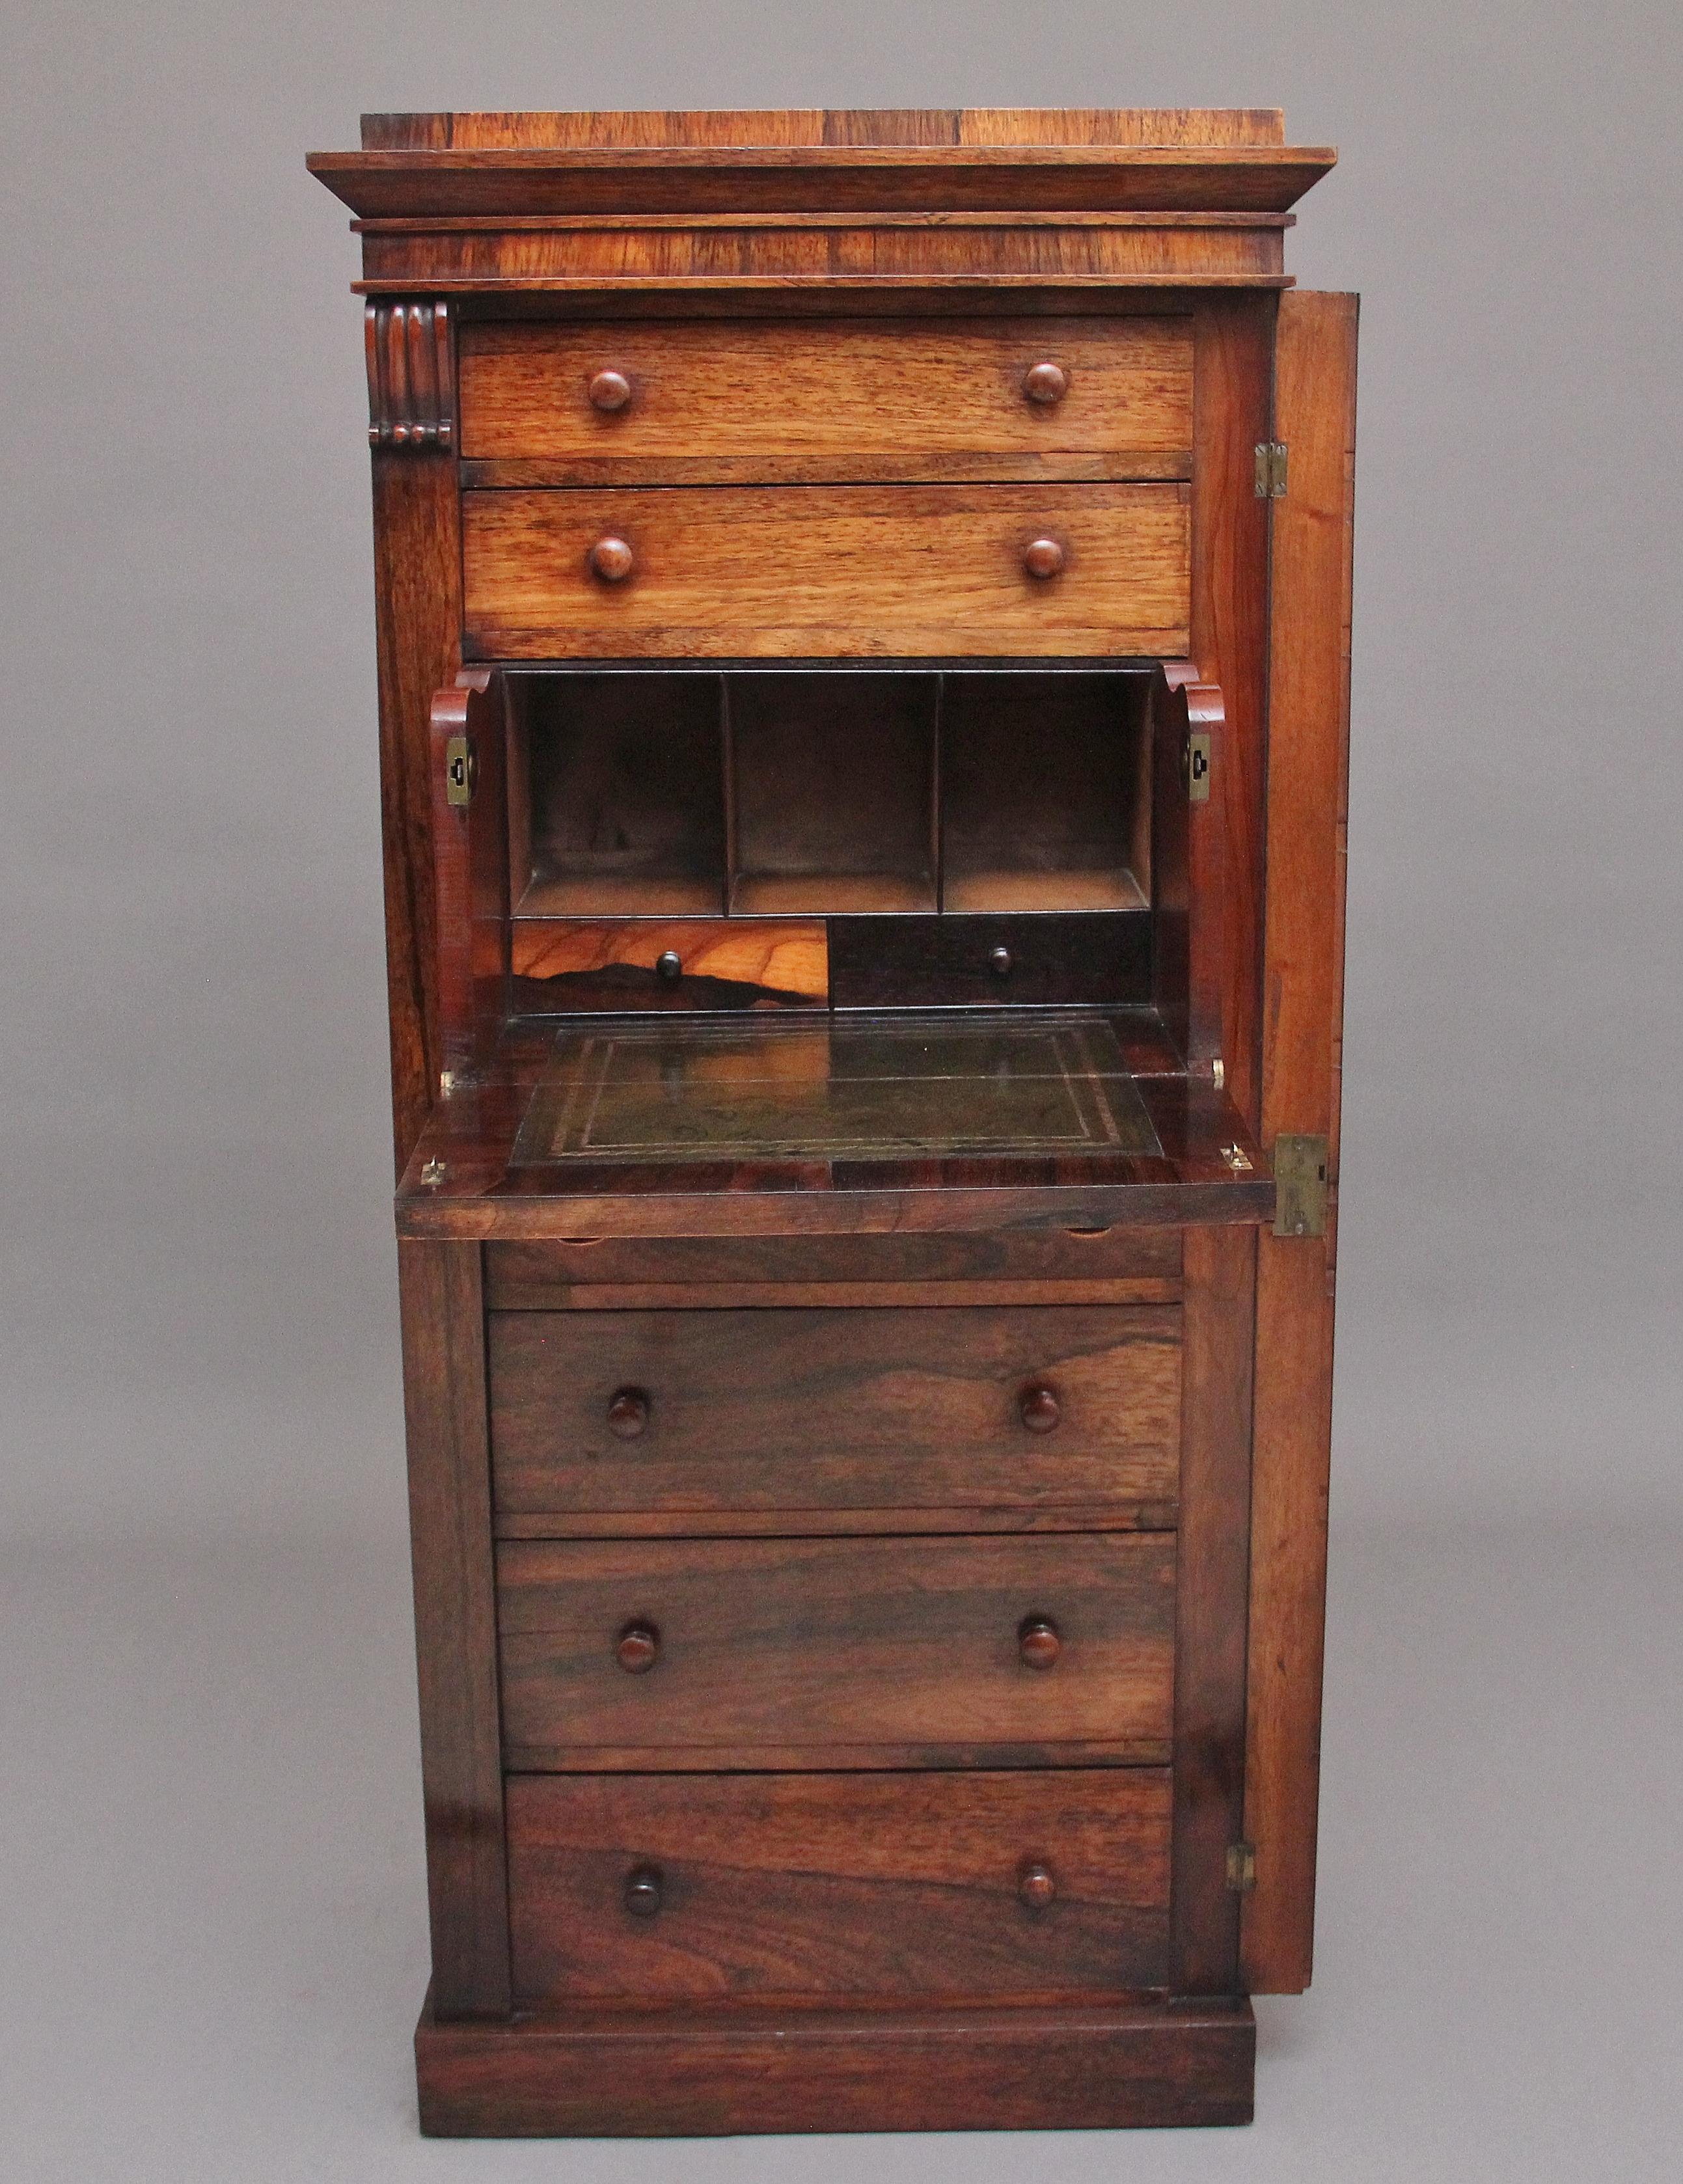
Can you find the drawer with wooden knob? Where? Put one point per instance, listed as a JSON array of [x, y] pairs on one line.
[[971, 959], [821, 571], [1028, 1409], [757, 400], [665, 1888], [944, 1652], [561, 966]]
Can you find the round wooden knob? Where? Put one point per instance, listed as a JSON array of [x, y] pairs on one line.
[[999, 962], [610, 559], [643, 1891], [1045, 382], [1038, 1643], [669, 965], [1042, 557], [1037, 1884], [611, 390], [639, 1649], [628, 1412], [1039, 1409]]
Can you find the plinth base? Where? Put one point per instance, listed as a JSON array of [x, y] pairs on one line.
[[619, 2073]]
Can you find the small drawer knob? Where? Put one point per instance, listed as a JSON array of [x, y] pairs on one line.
[[669, 966], [1045, 382], [1037, 1884], [1038, 1408], [999, 962], [639, 1649], [628, 1412], [1042, 557], [609, 390], [611, 559], [1038, 1643], [643, 1891]]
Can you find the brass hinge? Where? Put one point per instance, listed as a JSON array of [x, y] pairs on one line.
[[1195, 766], [461, 768], [1300, 1186], [1271, 467], [1241, 1868]]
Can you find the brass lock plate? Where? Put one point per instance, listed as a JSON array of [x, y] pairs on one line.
[[1197, 767], [1300, 1186], [459, 769]]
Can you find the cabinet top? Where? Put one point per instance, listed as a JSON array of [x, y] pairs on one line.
[[1195, 160]]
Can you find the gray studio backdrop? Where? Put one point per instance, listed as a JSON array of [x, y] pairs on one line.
[[199, 1309], [199, 1303]]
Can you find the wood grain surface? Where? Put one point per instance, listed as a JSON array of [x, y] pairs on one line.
[[537, 1276], [417, 590], [1302, 1022], [838, 1653], [561, 964], [450, 1489], [470, 870], [827, 572], [893, 398], [725, 126], [607, 2072], [838, 1885], [802, 1410], [1234, 338]]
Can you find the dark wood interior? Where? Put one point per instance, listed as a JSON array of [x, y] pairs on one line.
[[622, 813], [1045, 792], [832, 791], [829, 791]]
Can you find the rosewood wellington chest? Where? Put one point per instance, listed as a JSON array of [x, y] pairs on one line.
[[862, 604]]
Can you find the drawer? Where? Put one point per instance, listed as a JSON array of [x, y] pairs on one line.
[[837, 1653], [882, 399], [524, 1276], [564, 966], [981, 961], [1031, 1407], [825, 571], [988, 1885]]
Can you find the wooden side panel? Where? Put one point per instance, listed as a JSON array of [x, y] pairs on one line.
[[1234, 338], [1191, 959], [827, 571], [470, 868], [1214, 1546], [450, 1478], [838, 1886], [1309, 713], [417, 588]]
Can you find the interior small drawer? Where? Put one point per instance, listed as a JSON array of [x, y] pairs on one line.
[[981, 961], [665, 1888], [564, 966], [913, 399], [833, 1654], [821, 571], [1029, 1407]]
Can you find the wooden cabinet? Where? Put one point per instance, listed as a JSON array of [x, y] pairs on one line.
[[862, 605]]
